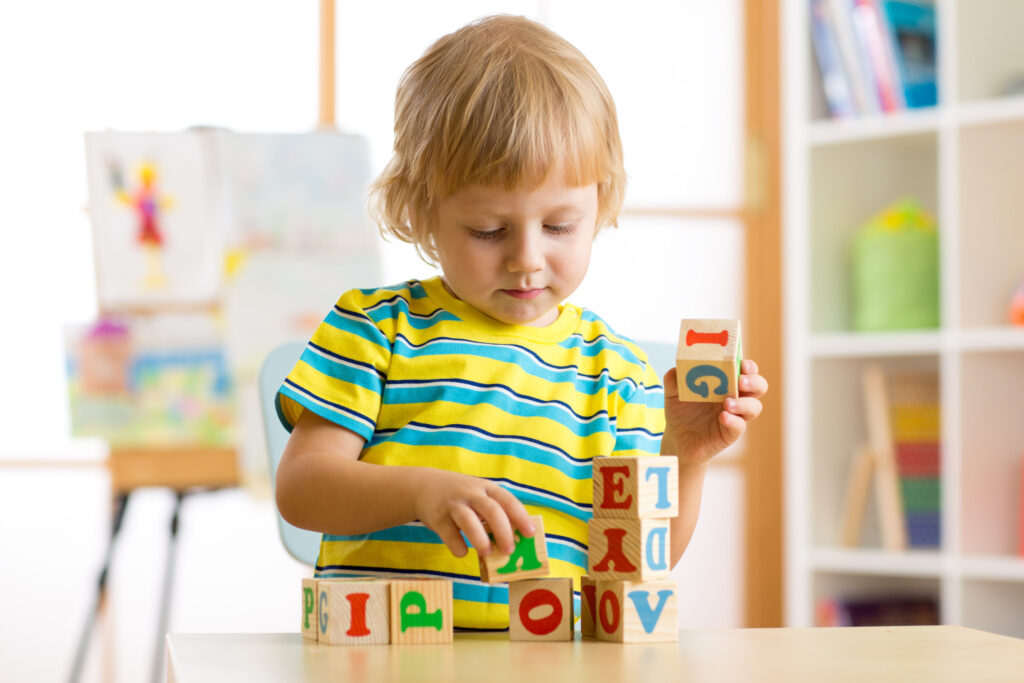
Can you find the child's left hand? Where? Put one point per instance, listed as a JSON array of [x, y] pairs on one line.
[[696, 432]]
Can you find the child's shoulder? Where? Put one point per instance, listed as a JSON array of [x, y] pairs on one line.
[[599, 336], [403, 295]]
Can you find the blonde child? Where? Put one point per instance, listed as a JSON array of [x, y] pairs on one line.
[[420, 411]]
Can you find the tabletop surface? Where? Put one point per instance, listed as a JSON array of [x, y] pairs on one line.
[[903, 653]]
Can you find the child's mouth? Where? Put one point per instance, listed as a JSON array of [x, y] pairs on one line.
[[523, 293]]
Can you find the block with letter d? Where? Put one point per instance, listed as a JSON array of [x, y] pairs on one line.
[[421, 611], [528, 560], [708, 359], [636, 612], [636, 487], [353, 612], [628, 549], [541, 609]]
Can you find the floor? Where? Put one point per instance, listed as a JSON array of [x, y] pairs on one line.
[[53, 523]]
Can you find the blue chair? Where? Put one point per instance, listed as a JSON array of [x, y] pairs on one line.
[[301, 544], [304, 545]]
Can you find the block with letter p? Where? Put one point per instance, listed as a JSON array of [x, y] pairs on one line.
[[628, 549], [541, 609], [421, 611], [708, 359], [636, 612], [635, 487]]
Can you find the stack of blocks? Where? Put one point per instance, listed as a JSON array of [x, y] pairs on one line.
[[628, 596]]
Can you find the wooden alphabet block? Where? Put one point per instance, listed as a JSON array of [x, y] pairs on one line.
[[541, 609], [708, 359], [637, 612], [310, 617], [628, 549], [354, 612], [528, 560], [588, 605], [635, 487], [421, 611]]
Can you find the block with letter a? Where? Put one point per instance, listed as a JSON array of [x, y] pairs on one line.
[[708, 359], [421, 611], [528, 560], [541, 609], [636, 487]]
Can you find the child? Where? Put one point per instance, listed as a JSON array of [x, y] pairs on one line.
[[421, 410]]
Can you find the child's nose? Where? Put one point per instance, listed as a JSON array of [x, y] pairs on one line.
[[526, 254]]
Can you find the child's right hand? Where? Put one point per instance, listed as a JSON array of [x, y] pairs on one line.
[[449, 503]]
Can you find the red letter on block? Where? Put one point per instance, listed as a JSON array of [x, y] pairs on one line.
[[358, 625], [539, 598], [613, 488], [609, 622], [614, 554]]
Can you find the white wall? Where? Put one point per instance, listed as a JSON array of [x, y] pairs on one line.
[[69, 67]]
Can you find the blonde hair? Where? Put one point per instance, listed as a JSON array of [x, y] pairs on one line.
[[496, 103]]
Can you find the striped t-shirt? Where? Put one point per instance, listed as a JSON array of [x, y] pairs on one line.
[[430, 381]]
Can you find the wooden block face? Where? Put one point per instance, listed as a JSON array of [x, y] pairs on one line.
[[708, 359], [528, 560], [354, 612], [310, 618], [637, 612], [541, 609], [628, 549], [421, 611], [588, 605], [636, 487]]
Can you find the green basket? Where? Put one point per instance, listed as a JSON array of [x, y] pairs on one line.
[[896, 271]]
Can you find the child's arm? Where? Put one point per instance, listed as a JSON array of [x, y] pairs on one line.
[[322, 485], [696, 432]]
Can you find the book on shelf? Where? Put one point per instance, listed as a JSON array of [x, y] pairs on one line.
[[880, 611], [875, 55]]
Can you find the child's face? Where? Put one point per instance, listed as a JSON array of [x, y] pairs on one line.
[[516, 254]]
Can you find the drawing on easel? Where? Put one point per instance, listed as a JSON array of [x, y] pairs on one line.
[[158, 218]]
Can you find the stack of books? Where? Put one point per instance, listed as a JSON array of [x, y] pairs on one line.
[[917, 436], [875, 56]]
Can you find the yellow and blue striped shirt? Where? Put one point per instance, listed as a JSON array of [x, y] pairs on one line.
[[430, 381]]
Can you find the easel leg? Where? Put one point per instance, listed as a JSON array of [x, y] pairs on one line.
[[120, 504], [168, 589]]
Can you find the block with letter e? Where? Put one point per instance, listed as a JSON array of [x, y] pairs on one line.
[[636, 487], [528, 560], [628, 549], [541, 609], [708, 359], [636, 612], [353, 612], [421, 611]]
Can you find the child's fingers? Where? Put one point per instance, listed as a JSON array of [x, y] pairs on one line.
[[732, 426], [469, 524], [491, 512], [748, 408], [514, 510], [753, 385], [448, 531], [748, 367]]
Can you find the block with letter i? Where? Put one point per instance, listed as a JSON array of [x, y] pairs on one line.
[[421, 611], [708, 359], [541, 609], [353, 612], [528, 560]]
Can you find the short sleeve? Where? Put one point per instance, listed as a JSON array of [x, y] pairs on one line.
[[640, 415], [341, 373]]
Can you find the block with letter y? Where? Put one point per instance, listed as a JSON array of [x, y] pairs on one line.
[[708, 359], [628, 549]]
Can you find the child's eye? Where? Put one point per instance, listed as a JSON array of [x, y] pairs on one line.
[[562, 228], [485, 234]]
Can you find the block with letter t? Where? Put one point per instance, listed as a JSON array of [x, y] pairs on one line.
[[708, 359], [636, 487], [636, 612], [541, 609], [421, 611], [528, 560]]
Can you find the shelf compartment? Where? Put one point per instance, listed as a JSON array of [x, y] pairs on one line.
[[849, 185], [994, 606], [846, 586], [992, 221], [838, 428], [992, 433], [990, 53]]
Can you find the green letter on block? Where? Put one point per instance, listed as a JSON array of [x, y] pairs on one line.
[[308, 606], [524, 558], [421, 618]]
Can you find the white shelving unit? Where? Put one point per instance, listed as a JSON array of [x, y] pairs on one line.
[[963, 161]]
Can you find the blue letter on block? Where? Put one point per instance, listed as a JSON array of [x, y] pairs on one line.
[[662, 474], [648, 616], [661, 562], [697, 382], [323, 612]]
